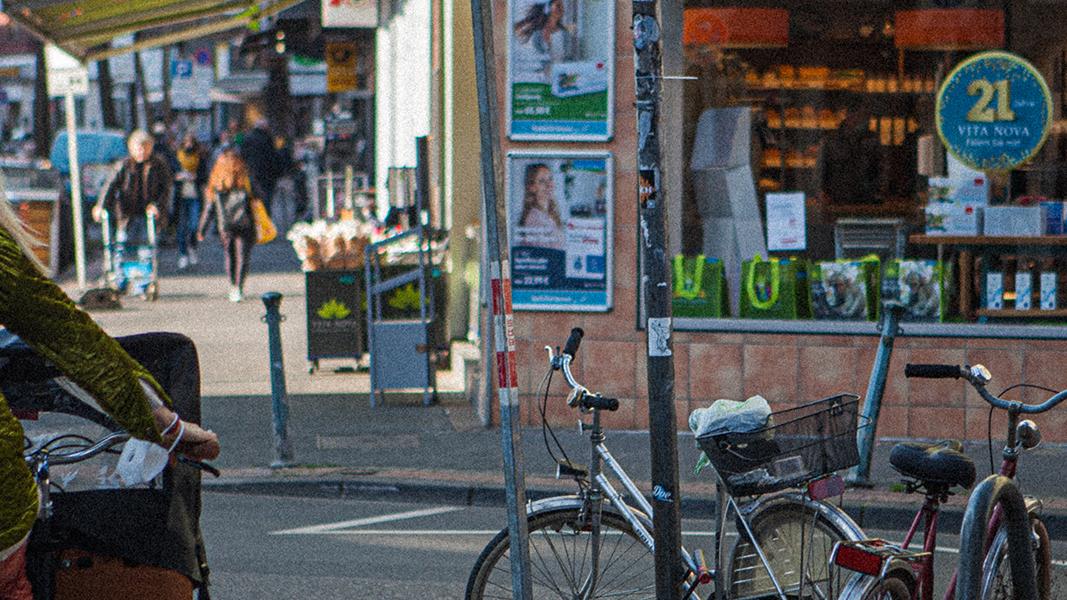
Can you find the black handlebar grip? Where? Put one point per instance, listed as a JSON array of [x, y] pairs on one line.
[[573, 342], [933, 371], [600, 402]]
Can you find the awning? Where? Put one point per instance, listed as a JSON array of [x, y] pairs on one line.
[[84, 28]]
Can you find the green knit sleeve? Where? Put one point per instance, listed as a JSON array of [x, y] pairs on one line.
[[37, 310]]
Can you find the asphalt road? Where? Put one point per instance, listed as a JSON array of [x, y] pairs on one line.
[[274, 548]]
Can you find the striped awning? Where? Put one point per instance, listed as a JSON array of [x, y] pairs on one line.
[[86, 28]]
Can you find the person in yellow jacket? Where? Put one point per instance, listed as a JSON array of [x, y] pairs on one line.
[[36, 309]]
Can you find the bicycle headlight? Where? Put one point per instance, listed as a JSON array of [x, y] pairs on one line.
[[1028, 434]]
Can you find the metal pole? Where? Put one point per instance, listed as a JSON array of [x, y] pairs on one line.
[[75, 188], [663, 433], [502, 330], [279, 403], [872, 404]]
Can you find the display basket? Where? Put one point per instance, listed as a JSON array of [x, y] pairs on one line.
[[796, 446]]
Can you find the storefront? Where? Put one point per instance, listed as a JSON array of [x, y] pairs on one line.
[[805, 135]]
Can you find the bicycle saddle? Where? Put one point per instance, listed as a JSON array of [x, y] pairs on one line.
[[942, 463]]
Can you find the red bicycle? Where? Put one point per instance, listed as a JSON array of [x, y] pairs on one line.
[[882, 570]]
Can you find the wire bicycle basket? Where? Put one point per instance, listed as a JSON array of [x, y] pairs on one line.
[[796, 446]]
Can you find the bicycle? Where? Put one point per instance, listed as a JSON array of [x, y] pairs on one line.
[[98, 530], [595, 544], [884, 570]]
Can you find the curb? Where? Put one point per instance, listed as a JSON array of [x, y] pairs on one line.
[[874, 515]]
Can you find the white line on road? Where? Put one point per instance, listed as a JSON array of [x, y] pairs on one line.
[[333, 528]]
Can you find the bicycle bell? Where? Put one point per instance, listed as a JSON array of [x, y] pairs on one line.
[[981, 374], [1028, 434]]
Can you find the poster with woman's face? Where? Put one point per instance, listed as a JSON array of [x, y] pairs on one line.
[[559, 230], [560, 69]]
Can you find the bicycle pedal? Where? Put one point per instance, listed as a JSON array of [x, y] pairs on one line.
[[566, 468]]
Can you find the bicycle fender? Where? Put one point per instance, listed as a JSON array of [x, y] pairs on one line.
[[832, 513], [574, 502]]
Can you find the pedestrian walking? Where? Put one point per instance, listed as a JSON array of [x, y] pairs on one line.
[[264, 164], [227, 200], [143, 185], [191, 180]]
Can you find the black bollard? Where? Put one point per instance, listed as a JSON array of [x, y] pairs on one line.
[[283, 450]]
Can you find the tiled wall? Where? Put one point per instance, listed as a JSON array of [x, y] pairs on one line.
[[791, 369]]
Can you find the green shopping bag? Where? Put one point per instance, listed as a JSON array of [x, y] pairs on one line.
[[769, 289], [924, 287], [846, 289], [698, 287]]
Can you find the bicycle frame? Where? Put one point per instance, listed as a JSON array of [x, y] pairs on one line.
[[603, 462]]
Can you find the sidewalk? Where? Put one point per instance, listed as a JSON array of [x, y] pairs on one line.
[[440, 453]]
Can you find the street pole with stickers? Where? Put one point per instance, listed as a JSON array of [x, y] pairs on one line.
[[502, 332], [655, 282]]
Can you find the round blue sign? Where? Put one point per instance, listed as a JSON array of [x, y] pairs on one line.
[[994, 111]]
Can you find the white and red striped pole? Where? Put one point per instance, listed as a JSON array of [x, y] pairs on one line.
[[496, 256]]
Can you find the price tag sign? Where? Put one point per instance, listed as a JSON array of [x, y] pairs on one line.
[[994, 111]]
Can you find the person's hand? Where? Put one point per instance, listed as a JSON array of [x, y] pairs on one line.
[[98, 213], [199, 236], [199, 443], [152, 210]]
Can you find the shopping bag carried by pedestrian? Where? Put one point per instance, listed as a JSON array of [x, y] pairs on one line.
[[772, 288], [698, 287], [265, 229]]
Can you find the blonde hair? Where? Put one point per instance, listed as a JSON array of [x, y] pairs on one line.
[[230, 172], [22, 234]]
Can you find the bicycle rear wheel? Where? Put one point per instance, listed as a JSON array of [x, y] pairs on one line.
[[996, 578], [797, 542], [561, 560]]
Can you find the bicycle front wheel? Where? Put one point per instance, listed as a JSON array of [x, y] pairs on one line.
[[797, 542], [996, 578], [561, 560]]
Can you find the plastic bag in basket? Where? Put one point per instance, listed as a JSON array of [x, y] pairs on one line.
[[728, 416]]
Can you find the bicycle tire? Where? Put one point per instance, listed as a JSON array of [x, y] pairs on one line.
[[782, 531], [996, 578], [890, 588], [627, 568]]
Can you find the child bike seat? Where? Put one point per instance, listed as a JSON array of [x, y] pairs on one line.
[[934, 465]]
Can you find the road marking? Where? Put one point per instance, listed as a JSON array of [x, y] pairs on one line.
[[332, 528]]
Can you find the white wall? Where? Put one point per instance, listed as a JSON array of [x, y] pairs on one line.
[[402, 87]]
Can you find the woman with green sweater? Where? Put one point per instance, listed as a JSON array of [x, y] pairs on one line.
[[36, 309]]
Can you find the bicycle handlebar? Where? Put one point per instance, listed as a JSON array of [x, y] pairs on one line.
[[934, 371], [579, 396], [978, 376], [573, 342], [67, 458]]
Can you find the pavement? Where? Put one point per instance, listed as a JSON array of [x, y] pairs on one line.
[[402, 449]]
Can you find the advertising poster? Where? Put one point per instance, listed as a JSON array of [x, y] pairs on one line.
[[786, 223], [559, 230], [560, 69]]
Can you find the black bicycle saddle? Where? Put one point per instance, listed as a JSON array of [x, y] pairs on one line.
[[942, 463]]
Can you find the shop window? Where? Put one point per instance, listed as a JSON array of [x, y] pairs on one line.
[[810, 141]]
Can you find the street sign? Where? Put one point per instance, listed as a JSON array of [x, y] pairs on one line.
[[994, 111], [340, 67], [65, 73]]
